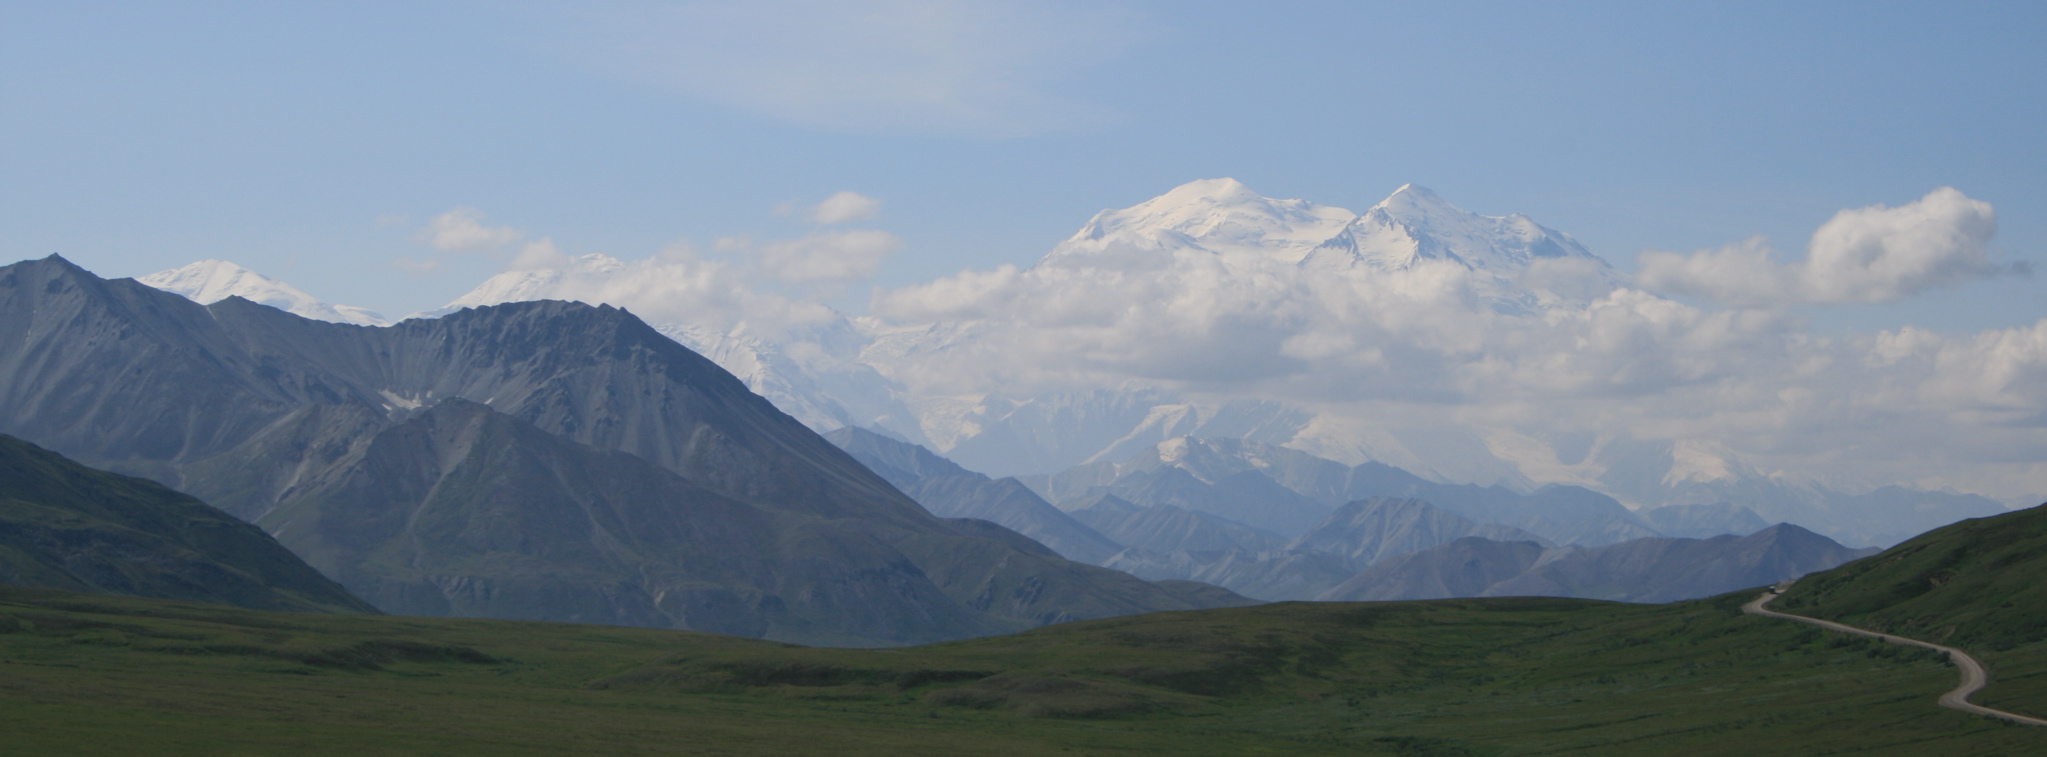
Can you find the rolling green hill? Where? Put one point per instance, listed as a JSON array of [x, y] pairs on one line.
[[1980, 585], [66, 526]]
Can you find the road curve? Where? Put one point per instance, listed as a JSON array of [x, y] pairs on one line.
[[1974, 675]]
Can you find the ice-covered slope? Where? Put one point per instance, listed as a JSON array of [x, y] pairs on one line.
[[1218, 215], [210, 281]]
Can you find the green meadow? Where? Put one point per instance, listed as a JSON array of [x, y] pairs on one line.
[[93, 674]]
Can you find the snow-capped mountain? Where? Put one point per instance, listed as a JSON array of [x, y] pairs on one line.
[[1219, 215], [1213, 312], [210, 281], [1271, 255], [891, 374]]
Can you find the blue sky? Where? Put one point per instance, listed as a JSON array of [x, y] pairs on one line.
[[311, 142]]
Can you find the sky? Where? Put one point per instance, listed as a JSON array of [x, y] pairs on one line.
[[1755, 166], [314, 142]]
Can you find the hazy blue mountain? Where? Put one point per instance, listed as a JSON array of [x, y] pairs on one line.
[[1652, 472], [1643, 570], [1277, 576], [950, 491], [1280, 489], [1369, 530], [1166, 528], [67, 526], [259, 412], [1703, 521]]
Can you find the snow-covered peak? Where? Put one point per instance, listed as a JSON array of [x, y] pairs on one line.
[[210, 281], [1417, 201], [1415, 224], [1218, 215], [523, 285]]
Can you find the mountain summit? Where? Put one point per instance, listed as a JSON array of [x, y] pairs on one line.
[[210, 281]]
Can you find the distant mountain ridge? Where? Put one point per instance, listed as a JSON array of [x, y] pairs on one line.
[[272, 416], [1233, 477], [1374, 548], [1643, 570]]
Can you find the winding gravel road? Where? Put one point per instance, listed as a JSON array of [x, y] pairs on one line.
[[1974, 675]]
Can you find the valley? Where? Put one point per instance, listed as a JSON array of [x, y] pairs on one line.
[[1459, 677]]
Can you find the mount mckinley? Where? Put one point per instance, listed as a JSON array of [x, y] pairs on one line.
[[1195, 315]]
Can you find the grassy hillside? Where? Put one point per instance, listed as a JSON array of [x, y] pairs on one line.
[[86, 674], [67, 526], [1979, 584]]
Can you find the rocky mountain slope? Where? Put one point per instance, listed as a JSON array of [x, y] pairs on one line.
[[269, 416], [67, 526]]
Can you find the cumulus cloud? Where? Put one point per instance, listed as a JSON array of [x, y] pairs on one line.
[[845, 207], [677, 286], [1862, 255], [898, 66], [1431, 344], [462, 230]]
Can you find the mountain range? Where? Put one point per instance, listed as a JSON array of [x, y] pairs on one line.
[[1371, 548], [541, 460], [890, 374]]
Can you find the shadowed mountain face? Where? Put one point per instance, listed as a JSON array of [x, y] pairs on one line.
[[1165, 528], [335, 437], [1643, 570], [1367, 531], [66, 526], [1703, 521], [950, 491]]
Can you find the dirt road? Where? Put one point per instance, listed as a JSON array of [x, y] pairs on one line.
[[1974, 675]]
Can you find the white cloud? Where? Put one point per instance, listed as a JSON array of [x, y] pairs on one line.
[[1421, 346], [1879, 254], [831, 257], [539, 254], [462, 230], [1868, 255], [845, 207], [1424, 347], [896, 66], [675, 287]]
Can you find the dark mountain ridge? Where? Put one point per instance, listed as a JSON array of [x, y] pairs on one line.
[[297, 424]]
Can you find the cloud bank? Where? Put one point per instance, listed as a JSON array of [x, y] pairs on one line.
[[1863, 255], [1428, 341]]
